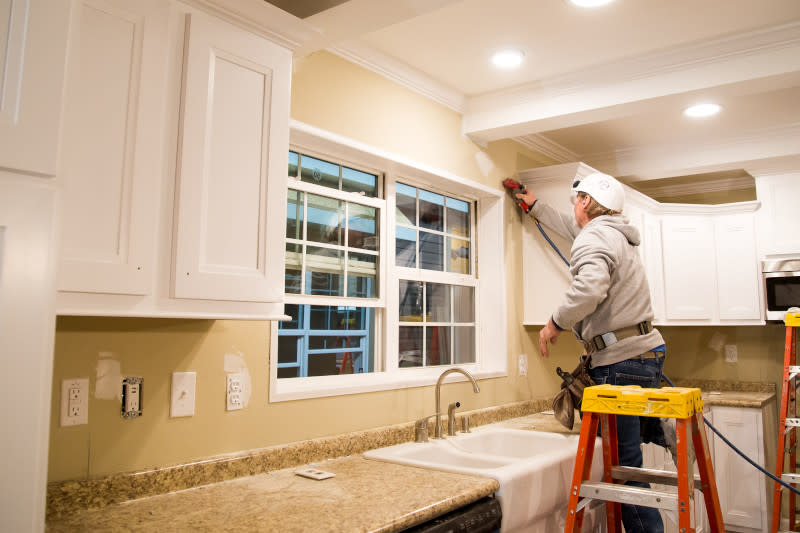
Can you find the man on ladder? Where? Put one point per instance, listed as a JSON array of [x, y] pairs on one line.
[[608, 307]]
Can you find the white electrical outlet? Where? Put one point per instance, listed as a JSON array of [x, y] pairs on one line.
[[132, 397], [523, 364], [75, 401], [182, 399], [233, 392]]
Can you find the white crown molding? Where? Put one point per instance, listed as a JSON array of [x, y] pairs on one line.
[[261, 18], [543, 145], [400, 73]]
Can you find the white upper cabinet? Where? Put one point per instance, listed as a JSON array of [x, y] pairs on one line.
[[710, 263], [689, 266], [32, 52], [174, 161], [232, 165], [111, 161], [777, 219], [701, 260], [738, 275]]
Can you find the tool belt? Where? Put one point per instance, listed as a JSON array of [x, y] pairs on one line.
[[605, 340]]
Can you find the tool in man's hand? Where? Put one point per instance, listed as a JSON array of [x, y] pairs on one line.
[[515, 187]]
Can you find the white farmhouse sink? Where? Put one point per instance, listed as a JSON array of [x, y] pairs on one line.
[[534, 470]]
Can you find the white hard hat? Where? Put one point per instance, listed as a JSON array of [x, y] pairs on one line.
[[607, 191]]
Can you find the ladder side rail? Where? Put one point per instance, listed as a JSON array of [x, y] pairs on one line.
[[582, 470], [708, 480], [608, 424], [685, 494]]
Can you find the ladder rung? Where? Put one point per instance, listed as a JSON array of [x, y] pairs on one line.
[[598, 490], [792, 422], [791, 478], [650, 475]]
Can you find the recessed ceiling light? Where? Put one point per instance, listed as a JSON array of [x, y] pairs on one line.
[[702, 110], [507, 59], [590, 3]]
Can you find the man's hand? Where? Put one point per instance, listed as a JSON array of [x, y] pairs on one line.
[[528, 197], [549, 333]]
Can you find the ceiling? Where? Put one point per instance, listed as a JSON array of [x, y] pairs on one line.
[[604, 85]]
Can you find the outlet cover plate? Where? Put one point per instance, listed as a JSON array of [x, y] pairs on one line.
[[74, 401], [233, 391], [183, 394]]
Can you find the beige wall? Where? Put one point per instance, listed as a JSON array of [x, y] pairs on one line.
[[335, 95]]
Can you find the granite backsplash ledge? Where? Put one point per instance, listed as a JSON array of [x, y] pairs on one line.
[[64, 497]]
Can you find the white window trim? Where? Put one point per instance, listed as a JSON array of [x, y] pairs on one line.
[[491, 345]]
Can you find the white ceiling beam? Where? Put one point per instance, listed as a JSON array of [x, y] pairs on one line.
[[620, 89], [766, 147]]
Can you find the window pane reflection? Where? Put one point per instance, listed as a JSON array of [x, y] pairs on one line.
[[437, 345], [405, 253], [361, 182], [463, 304], [362, 275], [292, 272], [410, 346], [458, 256], [410, 301], [317, 171], [294, 214], [458, 217], [406, 204], [431, 210], [324, 271], [431, 251], [362, 227], [437, 302], [463, 344], [325, 220]]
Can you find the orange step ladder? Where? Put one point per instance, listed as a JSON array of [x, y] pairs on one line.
[[600, 406], [789, 422]]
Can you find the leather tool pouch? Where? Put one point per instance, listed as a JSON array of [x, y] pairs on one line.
[[571, 394]]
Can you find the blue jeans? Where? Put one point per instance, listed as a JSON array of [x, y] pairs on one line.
[[647, 374]]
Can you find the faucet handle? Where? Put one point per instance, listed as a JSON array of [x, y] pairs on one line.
[[451, 418], [421, 429]]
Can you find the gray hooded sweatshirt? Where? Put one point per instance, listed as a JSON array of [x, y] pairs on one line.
[[609, 288]]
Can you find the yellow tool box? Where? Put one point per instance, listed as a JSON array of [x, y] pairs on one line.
[[666, 402]]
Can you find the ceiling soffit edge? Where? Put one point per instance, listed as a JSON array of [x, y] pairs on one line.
[[673, 156], [745, 45], [543, 145]]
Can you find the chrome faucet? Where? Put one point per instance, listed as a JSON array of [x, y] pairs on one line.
[[438, 432]]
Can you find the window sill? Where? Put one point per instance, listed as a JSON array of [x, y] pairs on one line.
[[406, 378]]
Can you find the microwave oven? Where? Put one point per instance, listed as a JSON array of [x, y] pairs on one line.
[[781, 287]]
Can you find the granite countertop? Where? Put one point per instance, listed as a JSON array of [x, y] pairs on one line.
[[281, 501], [363, 496]]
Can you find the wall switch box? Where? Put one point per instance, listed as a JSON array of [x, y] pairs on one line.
[[132, 397], [234, 391], [75, 401], [182, 397]]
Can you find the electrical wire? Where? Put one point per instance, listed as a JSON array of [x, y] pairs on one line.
[[671, 384]]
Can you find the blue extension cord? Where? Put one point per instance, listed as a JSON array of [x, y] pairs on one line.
[[671, 384]]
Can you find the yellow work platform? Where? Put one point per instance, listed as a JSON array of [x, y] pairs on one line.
[[792, 320], [666, 402]]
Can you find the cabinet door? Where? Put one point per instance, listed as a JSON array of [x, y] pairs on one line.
[[33, 36], [111, 146], [232, 166], [738, 276], [689, 266], [741, 490]]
